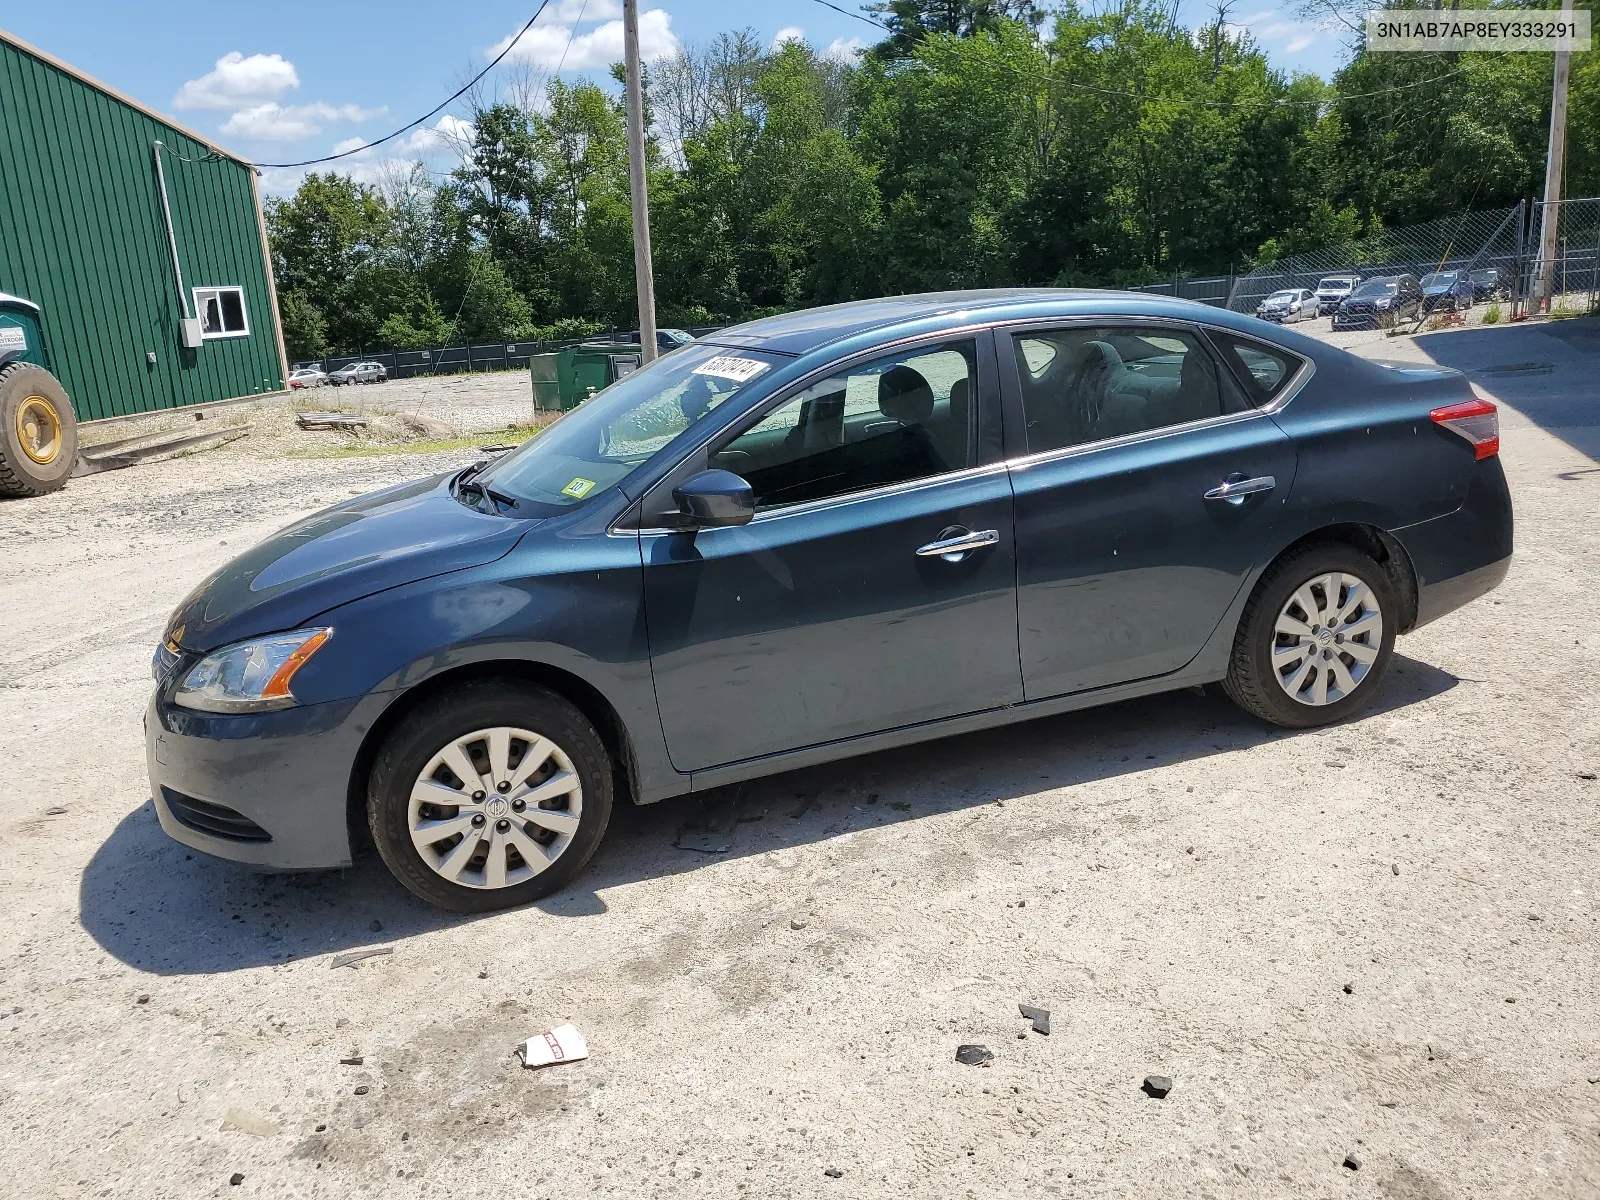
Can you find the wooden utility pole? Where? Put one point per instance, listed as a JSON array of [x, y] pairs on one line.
[[638, 187], [1555, 161]]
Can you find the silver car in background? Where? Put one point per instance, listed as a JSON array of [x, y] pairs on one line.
[[1290, 304]]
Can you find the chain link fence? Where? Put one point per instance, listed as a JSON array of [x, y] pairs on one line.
[[1472, 241], [460, 360], [1574, 268]]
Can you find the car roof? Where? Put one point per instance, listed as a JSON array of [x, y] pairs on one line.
[[808, 329]]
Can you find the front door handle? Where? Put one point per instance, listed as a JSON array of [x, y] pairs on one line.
[[1234, 488], [955, 544]]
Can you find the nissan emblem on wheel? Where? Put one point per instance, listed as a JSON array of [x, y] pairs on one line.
[[818, 535]]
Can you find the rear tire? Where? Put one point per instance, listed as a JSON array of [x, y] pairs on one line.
[[38, 431], [1315, 638], [512, 858]]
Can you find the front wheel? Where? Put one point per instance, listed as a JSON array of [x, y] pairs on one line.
[[489, 796], [38, 431], [1315, 638]]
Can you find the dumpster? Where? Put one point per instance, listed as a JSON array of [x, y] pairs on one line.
[[568, 377]]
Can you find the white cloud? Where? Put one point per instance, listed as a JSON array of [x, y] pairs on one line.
[[450, 133], [845, 50], [349, 144], [567, 11], [238, 82], [550, 46], [789, 33], [273, 122]]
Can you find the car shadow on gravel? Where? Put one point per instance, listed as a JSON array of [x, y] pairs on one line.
[[156, 906]]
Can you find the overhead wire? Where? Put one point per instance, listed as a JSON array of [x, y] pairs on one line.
[[439, 108]]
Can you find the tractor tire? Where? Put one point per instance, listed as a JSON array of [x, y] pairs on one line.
[[38, 431]]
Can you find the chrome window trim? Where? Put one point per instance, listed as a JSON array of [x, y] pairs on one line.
[[1131, 439], [827, 502]]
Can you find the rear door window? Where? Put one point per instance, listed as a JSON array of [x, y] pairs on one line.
[[1264, 370], [1084, 384]]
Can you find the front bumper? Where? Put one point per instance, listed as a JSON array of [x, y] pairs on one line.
[[1460, 556], [269, 789]]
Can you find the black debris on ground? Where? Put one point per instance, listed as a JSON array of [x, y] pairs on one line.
[[355, 1060], [362, 1090], [797, 922], [1156, 1086], [144, 998], [376, 926], [57, 811], [1395, 867], [974, 1056], [1039, 1016], [1349, 989], [1351, 1162], [834, 1173], [236, 1179]]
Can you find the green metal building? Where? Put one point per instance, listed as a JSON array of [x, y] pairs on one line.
[[142, 242]]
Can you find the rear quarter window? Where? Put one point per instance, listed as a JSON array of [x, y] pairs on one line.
[[1263, 369]]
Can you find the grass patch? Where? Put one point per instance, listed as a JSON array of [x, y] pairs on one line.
[[1491, 315]]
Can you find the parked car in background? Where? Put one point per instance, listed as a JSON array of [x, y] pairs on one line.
[[1488, 283], [1333, 288], [361, 372], [667, 340], [1380, 303], [821, 534], [1446, 291], [308, 377], [1290, 304]]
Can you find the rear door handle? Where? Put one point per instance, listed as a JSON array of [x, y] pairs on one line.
[[953, 545], [1234, 489]]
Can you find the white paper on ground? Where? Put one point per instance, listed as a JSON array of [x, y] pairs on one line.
[[561, 1044]]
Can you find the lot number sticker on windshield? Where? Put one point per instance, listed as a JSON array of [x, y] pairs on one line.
[[578, 488], [731, 366]]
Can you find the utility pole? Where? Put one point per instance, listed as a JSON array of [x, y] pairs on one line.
[[638, 188], [1555, 161]]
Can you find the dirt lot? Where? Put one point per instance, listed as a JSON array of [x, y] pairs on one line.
[[1377, 939]]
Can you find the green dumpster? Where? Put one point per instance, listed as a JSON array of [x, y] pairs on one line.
[[568, 377]]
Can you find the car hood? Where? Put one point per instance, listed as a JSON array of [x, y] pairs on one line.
[[1438, 289], [338, 555]]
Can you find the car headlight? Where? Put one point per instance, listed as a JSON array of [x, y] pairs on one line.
[[1385, 302], [251, 676]]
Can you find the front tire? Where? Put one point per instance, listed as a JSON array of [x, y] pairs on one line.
[[1315, 638], [492, 795], [38, 431]]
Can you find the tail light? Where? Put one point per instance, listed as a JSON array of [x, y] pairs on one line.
[[1476, 420]]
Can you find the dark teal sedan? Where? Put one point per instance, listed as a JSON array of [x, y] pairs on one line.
[[810, 537]]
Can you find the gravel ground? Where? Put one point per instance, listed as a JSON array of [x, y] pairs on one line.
[[1376, 939]]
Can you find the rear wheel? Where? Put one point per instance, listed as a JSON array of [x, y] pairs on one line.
[[1315, 638], [38, 431], [490, 796]]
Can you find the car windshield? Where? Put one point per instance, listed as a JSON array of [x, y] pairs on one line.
[[1289, 295], [605, 439], [1375, 287], [1483, 276], [1439, 279], [1335, 283]]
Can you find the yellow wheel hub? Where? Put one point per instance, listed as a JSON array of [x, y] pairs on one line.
[[39, 429]]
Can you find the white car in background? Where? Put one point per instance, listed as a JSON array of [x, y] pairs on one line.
[[1332, 289]]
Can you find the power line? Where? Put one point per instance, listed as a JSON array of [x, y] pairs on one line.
[[495, 62], [1180, 100]]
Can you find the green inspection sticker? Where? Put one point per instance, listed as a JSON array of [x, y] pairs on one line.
[[578, 488]]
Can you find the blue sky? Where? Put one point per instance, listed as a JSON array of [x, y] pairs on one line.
[[295, 79]]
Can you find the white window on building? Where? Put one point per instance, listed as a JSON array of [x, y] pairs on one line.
[[221, 312]]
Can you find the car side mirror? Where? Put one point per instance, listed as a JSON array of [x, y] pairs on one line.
[[714, 499]]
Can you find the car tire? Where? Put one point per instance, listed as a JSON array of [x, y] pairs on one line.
[[38, 431], [445, 726], [1267, 680]]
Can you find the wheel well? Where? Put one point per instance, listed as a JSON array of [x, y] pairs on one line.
[[581, 694], [1384, 550]]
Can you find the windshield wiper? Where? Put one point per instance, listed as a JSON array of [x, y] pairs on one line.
[[499, 497]]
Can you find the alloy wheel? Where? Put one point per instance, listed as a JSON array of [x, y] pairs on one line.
[[1326, 638], [495, 807]]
